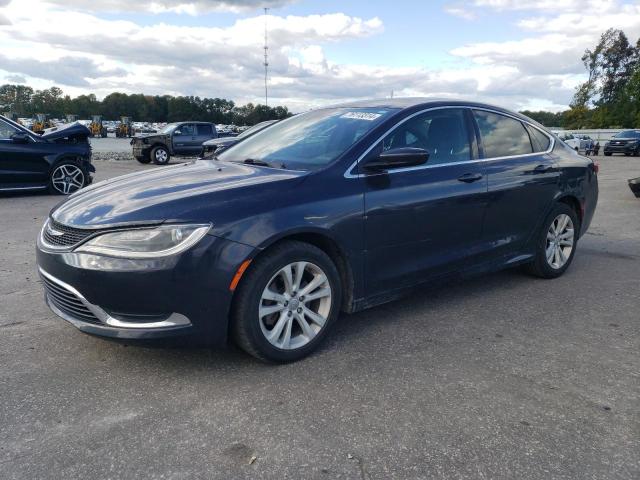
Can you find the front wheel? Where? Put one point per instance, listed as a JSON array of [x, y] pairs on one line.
[[556, 244], [160, 156], [607, 154], [286, 302], [67, 177]]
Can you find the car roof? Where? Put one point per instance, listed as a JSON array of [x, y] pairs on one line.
[[428, 102]]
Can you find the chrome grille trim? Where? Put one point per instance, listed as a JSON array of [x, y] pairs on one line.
[[68, 303], [57, 236]]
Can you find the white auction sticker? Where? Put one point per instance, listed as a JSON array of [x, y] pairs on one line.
[[369, 117]]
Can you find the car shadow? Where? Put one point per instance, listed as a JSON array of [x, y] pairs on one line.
[[184, 353]]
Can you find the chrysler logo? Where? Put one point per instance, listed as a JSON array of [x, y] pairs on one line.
[[54, 232]]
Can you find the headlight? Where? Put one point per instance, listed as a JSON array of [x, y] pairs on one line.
[[146, 242]]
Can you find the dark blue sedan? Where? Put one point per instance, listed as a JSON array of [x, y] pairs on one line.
[[337, 209]]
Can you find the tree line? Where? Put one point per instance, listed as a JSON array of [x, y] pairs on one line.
[[26, 102], [610, 97]]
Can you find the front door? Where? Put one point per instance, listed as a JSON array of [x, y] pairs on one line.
[[185, 140], [22, 165], [426, 220]]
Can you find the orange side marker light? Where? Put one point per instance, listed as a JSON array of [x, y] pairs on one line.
[[236, 278]]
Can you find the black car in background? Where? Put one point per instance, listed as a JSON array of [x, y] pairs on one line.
[[179, 139], [59, 160], [627, 142], [337, 209], [216, 145]]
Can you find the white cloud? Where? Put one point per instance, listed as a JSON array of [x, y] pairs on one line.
[[68, 43], [190, 7]]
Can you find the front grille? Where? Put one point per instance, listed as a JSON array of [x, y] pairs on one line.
[[70, 236], [68, 302]]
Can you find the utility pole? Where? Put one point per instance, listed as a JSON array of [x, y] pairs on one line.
[[266, 59]]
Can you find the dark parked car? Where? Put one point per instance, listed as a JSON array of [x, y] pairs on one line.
[[217, 145], [58, 160], [179, 139], [627, 142], [337, 209]]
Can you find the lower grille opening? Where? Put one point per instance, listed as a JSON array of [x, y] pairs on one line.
[[67, 302]]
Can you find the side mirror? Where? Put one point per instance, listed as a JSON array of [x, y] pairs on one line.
[[177, 133], [20, 138], [398, 158]]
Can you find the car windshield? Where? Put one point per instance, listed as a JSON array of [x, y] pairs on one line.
[[169, 128], [628, 134], [308, 141]]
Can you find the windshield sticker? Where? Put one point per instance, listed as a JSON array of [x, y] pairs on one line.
[[369, 117]]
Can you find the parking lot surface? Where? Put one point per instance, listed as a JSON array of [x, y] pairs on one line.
[[503, 376]]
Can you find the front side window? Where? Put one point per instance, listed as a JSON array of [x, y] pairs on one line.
[[502, 136], [308, 141], [442, 133], [6, 131], [187, 130]]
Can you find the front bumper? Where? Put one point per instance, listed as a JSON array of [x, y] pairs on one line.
[[185, 294], [140, 150], [626, 149]]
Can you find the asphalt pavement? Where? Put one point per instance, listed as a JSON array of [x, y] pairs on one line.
[[504, 376]]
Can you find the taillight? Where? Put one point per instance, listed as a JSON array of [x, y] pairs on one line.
[[596, 166]]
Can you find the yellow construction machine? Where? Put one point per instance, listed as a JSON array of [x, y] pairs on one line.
[[40, 123], [125, 129], [96, 127]]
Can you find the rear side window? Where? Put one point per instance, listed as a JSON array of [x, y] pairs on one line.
[[539, 140], [205, 131], [6, 131], [502, 136], [443, 133]]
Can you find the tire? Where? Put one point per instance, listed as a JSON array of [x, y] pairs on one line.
[[67, 177], [543, 267], [607, 154], [144, 159], [250, 331], [160, 155]]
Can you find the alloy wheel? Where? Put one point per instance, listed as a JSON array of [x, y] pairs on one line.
[[560, 237], [67, 179], [161, 155], [295, 305]]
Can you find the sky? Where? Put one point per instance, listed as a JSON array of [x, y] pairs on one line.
[[520, 54]]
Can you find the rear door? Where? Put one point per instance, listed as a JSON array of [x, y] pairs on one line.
[[204, 132], [426, 220], [523, 179]]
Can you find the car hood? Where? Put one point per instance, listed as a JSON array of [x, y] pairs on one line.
[[69, 130], [183, 193]]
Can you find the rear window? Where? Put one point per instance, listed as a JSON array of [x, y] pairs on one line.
[[205, 131], [502, 136], [539, 140]]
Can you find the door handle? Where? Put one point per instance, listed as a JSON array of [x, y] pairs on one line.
[[543, 169], [470, 177]]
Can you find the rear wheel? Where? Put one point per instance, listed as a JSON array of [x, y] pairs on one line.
[[556, 244], [286, 303], [607, 154], [160, 155], [67, 177]]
